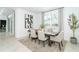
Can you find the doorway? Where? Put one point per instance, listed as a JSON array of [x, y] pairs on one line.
[[7, 21], [2, 25]]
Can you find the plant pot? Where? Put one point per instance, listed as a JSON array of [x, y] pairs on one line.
[[73, 40]]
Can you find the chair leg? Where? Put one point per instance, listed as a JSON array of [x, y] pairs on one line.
[[43, 43], [60, 46], [39, 41], [31, 39], [49, 43], [35, 40], [29, 35], [53, 42], [61, 43]]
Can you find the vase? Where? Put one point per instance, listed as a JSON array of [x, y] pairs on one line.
[[73, 40]]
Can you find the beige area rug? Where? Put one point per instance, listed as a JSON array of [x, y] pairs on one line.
[[36, 47]]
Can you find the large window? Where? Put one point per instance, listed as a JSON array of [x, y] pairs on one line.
[[51, 20]]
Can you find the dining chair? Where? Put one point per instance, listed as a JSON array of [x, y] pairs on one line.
[[41, 37], [58, 39], [33, 35]]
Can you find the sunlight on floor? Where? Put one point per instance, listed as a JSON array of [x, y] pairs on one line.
[[71, 47], [10, 44]]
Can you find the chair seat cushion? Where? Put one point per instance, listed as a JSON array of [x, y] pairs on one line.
[[55, 39], [34, 36], [44, 39]]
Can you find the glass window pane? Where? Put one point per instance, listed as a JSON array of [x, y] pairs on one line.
[[51, 19]]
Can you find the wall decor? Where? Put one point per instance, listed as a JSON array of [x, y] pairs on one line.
[[28, 21]]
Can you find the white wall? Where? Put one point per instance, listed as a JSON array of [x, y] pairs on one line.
[[2, 17], [20, 30], [67, 31], [37, 21], [12, 22]]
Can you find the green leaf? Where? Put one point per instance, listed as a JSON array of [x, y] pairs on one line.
[[73, 22], [77, 26]]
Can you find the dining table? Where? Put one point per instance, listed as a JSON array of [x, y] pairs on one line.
[[48, 34]]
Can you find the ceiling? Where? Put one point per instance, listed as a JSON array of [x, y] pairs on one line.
[[6, 11], [40, 9]]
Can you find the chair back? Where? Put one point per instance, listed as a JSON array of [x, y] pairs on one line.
[[33, 33], [58, 38], [61, 35], [41, 35]]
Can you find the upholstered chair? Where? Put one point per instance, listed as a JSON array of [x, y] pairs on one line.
[[41, 37], [33, 35], [58, 39]]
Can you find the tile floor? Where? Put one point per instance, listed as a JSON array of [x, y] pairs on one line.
[[9, 43], [71, 47]]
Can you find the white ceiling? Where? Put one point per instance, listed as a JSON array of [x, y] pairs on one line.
[[8, 11], [40, 9]]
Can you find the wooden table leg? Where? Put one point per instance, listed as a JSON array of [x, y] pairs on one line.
[[49, 41]]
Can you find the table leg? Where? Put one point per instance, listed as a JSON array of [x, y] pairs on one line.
[[49, 42]]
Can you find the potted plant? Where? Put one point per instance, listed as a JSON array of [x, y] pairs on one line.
[[73, 23], [42, 25]]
